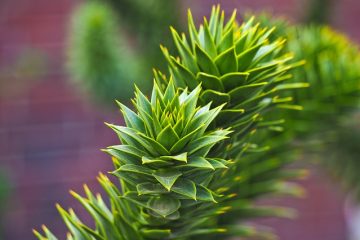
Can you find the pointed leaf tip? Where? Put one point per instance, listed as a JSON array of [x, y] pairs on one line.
[[167, 178]]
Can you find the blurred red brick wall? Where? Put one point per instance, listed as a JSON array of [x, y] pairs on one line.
[[50, 139]]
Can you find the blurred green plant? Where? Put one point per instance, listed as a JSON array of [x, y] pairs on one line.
[[110, 43], [328, 120], [327, 126], [324, 125], [343, 161], [183, 162], [99, 60], [4, 199], [148, 22], [318, 11], [333, 72]]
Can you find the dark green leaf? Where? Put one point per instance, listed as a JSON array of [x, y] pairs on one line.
[[245, 92], [167, 137], [185, 53], [226, 62], [217, 98], [210, 81], [167, 177], [205, 63], [204, 194], [164, 205], [185, 187], [233, 80], [150, 188], [245, 58]]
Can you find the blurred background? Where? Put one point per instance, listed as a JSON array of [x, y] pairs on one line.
[[51, 119]]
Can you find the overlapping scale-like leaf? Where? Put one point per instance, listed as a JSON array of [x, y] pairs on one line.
[[246, 68], [179, 171], [163, 138], [234, 63], [163, 160], [164, 170]]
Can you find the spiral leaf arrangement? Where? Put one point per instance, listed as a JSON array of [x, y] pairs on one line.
[[187, 164], [242, 66], [246, 67], [236, 65]]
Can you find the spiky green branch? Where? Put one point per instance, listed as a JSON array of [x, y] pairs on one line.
[[183, 163]]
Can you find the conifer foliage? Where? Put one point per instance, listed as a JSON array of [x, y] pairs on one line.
[[186, 155], [331, 105]]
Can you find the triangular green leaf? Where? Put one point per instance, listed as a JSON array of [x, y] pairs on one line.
[[167, 178]]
